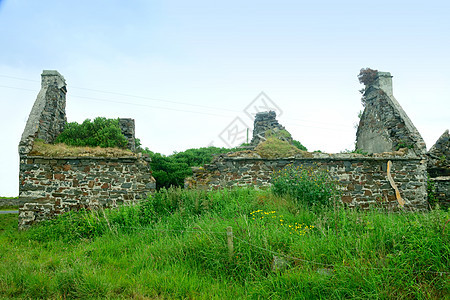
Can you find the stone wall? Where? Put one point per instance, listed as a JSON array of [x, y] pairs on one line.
[[363, 180], [54, 185], [439, 169], [442, 191]]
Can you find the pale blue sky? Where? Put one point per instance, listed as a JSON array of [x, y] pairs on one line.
[[184, 70]]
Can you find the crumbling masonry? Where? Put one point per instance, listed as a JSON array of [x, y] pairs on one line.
[[266, 125], [384, 131], [49, 186]]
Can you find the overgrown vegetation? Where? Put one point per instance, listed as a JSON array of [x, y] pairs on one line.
[[284, 135], [57, 150], [281, 134], [404, 144], [309, 187], [101, 132], [356, 151], [170, 171], [174, 245], [299, 145], [276, 148], [367, 77]]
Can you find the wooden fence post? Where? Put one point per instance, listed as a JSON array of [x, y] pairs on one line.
[[230, 241]]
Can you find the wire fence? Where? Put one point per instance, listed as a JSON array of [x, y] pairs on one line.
[[232, 237]]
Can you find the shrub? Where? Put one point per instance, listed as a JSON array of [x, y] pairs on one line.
[[367, 76], [101, 132], [299, 145], [170, 171], [308, 186]]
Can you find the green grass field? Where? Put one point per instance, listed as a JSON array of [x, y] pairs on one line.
[[174, 245]]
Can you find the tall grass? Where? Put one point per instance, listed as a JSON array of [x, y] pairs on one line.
[[308, 186], [173, 245]]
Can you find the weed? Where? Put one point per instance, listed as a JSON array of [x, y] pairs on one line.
[[308, 186]]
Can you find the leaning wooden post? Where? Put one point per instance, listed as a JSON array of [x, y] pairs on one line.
[[230, 242], [400, 201]]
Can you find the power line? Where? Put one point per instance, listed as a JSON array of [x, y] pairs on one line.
[[325, 128], [16, 88], [344, 128], [132, 96], [150, 106], [126, 103], [156, 99], [19, 78]]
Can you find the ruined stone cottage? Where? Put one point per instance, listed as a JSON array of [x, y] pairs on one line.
[[393, 174], [51, 185]]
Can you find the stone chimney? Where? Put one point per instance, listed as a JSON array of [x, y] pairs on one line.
[[383, 81], [52, 77], [127, 127], [48, 115]]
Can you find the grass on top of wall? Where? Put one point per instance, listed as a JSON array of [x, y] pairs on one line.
[[174, 245], [276, 148], [62, 150]]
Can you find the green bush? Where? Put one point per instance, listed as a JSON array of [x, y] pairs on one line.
[[299, 145], [101, 132], [170, 171], [308, 186]]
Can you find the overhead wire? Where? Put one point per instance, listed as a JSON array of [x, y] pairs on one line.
[[343, 126], [132, 96]]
